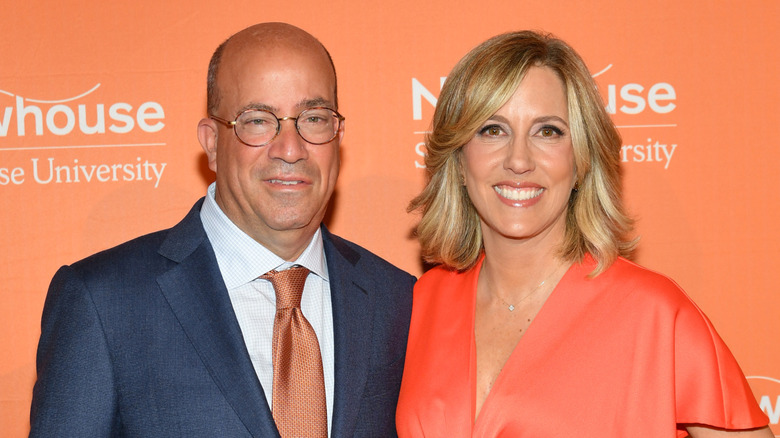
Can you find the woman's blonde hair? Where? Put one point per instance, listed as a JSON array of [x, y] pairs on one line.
[[479, 85]]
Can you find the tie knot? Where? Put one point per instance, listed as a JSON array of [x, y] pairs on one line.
[[288, 285]]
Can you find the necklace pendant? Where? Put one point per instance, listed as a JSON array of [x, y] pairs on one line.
[[511, 308]]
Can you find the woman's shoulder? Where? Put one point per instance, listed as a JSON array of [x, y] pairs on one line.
[[646, 296], [440, 275], [445, 283], [633, 275], [648, 287]]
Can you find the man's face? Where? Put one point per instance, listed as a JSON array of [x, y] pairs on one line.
[[276, 193]]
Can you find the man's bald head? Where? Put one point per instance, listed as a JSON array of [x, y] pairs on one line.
[[276, 35]]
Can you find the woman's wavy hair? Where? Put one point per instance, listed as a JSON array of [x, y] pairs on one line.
[[479, 85]]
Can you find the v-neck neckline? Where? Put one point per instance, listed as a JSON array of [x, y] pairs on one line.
[[550, 302]]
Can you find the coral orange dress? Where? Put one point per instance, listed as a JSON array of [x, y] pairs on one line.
[[626, 354]]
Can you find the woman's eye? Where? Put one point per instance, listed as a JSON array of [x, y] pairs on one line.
[[550, 132], [491, 131]]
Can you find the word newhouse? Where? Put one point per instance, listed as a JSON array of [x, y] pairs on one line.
[[62, 120]]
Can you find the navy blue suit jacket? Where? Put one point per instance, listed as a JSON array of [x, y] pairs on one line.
[[141, 341]]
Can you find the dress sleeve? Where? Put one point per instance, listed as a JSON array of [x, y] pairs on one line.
[[710, 387]]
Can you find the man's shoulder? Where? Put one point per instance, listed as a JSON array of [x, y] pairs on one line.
[[361, 257], [139, 252], [138, 247]]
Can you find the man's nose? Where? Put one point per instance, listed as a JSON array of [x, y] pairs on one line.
[[288, 145]]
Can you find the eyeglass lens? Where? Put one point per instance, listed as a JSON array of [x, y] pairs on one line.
[[315, 125]]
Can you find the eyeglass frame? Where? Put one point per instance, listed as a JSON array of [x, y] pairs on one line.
[[234, 123]]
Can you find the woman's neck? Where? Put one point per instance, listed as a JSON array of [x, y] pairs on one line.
[[520, 264]]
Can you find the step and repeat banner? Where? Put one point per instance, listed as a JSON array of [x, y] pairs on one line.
[[99, 103]]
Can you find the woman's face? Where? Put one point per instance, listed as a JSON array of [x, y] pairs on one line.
[[519, 166]]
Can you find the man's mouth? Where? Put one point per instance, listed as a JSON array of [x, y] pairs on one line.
[[285, 182]]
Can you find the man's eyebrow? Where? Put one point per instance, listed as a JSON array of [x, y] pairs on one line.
[[256, 106], [303, 104], [310, 103]]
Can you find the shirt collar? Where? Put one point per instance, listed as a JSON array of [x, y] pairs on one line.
[[242, 259]]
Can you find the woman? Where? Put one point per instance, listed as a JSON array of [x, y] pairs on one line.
[[535, 325]]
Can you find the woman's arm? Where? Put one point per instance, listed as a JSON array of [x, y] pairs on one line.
[[707, 432]]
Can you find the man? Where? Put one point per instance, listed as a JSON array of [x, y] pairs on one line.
[[170, 334]]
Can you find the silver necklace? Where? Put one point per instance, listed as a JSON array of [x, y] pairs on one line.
[[511, 307]]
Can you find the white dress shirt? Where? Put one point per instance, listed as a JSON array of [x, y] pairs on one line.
[[241, 260]]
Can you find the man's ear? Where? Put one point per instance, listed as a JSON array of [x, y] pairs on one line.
[[207, 136], [342, 128]]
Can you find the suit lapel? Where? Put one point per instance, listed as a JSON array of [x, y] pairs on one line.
[[352, 328], [197, 295]]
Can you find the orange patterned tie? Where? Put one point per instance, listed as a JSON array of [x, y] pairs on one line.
[[299, 408]]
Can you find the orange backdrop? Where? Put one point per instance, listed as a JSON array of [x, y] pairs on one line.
[[99, 103]]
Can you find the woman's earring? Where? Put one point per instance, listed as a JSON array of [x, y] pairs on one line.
[[576, 186]]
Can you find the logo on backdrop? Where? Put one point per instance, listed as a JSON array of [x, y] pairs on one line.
[[629, 101], [767, 392], [41, 126]]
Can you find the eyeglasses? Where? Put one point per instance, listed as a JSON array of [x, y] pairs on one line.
[[258, 127]]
